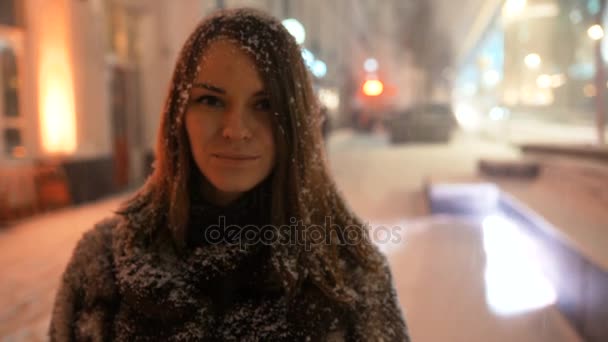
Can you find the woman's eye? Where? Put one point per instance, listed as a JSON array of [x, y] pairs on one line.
[[210, 101], [263, 105]]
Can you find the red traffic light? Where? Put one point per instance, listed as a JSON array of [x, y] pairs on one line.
[[373, 88]]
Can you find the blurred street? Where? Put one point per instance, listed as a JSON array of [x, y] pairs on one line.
[[437, 265], [508, 96], [383, 181]]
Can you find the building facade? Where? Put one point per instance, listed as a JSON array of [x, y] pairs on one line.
[[533, 68]]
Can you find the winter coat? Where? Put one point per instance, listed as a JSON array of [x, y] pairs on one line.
[[123, 285]]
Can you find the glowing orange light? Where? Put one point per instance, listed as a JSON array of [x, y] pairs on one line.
[[373, 88], [55, 82]]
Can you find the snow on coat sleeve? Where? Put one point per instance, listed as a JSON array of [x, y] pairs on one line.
[[378, 314], [87, 290]]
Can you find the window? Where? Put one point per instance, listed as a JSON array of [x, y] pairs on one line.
[[9, 81], [13, 144], [12, 120], [9, 15]]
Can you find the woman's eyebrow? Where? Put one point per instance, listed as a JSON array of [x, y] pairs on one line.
[[259, 93], [209, 87]]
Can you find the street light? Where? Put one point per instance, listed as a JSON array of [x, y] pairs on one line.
[[56, 108], [309, 58], [544, 81], [319, 68], [513, 8], [370, 65], [533, 61], [373, 88], [595, 32], [296, 29], [491, 78]]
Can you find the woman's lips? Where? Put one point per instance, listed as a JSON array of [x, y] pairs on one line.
[[235, 156], [235, 160]]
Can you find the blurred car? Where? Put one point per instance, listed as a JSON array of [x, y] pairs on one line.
[[430, 122]]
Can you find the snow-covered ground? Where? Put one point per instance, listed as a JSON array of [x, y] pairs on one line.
[[529, 129], [437, 262], [440, 270], [381, 180], [33, 255]]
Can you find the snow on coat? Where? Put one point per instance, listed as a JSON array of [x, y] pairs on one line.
[[118, 287]]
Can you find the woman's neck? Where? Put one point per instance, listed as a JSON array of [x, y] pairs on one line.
[[217, 197]]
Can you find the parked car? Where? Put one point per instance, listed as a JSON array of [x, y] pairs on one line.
[[431, 122]]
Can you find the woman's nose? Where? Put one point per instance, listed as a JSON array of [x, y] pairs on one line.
[[235, 125]]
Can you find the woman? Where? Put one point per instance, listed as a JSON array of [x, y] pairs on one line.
[[239, 234]]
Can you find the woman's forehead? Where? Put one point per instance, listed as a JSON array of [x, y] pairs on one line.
[[226, 52], [225, 63]]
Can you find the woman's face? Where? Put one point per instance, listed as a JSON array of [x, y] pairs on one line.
[[229, 124]]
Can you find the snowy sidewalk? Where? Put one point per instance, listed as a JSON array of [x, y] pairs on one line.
[[33, 255], [438, 262], [439, 271]]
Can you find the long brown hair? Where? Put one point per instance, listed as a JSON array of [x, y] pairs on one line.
[[301, 186]]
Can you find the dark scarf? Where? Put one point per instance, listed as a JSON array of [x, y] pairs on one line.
[[216, 291], [208, 222], [226, 242]]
